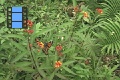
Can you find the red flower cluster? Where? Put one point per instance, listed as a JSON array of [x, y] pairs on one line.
[[59, 49], [76, 9], [29, 24], [100, 11]]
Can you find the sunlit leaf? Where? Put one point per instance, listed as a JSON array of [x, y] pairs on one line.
[[18, 57], [68, 62], [60, 76], [13, 36], [68, 70]]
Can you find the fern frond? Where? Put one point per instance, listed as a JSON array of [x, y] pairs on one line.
[[111, 8], [111, 41]]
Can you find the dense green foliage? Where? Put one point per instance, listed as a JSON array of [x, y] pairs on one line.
[[90, 42]]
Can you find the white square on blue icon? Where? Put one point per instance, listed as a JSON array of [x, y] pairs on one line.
[[16, 16], [16, 24], [16, 9]]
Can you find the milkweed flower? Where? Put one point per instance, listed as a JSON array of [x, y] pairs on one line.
[[58, 48], [76, 9], [100, 11], [40, 44], [29, 23], [58, 64], [85, 14]]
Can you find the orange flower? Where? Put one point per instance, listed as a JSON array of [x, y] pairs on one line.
[[29, 23], [40, 44], [100, 11], [76, 9], [58, 64], [85, 14], [58, 48]]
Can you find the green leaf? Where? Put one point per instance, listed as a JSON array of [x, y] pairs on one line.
[[43, 74], [45, 67], [111, 70], [65, 25], [8, 76], [68, 62], [18, 45], [38, 27], [68, 70], [43, 31], [22, 64], [18, 57], [81, 58], [68, 50], [60, 76], [77, 67], [27, 77], [86, 19], [2, 2], [1, 78], [82, 30], [80, 16], [100, 75], [117, 78], [51, 76], [29, 69], [2, 74], [74, 3], [3, 40], [13, 36], [2, 19]]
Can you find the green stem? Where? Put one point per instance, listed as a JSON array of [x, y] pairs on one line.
[[73, 29], [34, 62]]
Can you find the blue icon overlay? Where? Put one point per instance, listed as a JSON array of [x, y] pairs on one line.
[[16, 17]]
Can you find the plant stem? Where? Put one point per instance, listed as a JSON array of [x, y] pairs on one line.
[[73, 28], [34, 62]]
